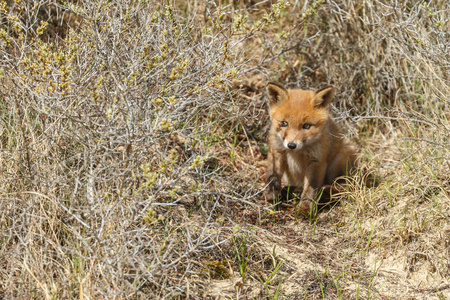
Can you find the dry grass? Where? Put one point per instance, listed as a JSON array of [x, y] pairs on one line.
[[132, 142]]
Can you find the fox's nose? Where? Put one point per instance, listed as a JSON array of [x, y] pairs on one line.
[[292, 145]]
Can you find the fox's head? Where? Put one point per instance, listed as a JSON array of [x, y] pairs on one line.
[[298, 116]]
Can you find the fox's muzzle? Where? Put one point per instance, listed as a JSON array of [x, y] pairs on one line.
[[292, 146]]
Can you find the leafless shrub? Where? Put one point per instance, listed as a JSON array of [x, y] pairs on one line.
[[106, 132]]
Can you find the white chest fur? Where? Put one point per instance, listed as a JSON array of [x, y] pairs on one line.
[[295, 173]]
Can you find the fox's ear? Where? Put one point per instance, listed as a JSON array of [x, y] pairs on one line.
[[276, 93], [322, 98]]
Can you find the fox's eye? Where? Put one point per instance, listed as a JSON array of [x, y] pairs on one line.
[[284, 124], [306, 126]]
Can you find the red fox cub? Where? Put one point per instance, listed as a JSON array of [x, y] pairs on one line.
[[306, 147]]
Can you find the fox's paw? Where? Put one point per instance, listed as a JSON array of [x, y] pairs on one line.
[[271, 195], [273, 189], [274, 183], [305, 207]]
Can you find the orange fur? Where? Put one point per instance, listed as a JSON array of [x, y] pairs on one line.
[[306, 147]]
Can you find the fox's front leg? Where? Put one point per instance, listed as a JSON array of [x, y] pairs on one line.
[[276, 164], [314, 178]]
